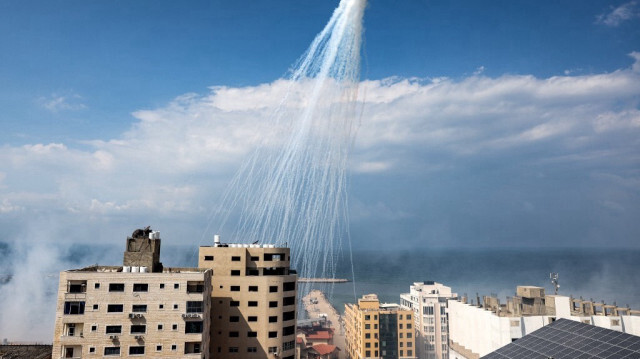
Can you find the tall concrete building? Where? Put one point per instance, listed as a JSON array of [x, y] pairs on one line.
[[477, 330], [375, 330], [428, 301], [135, 310], [253, 300]]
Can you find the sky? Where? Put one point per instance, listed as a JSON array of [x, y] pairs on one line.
[[484, 124], [493, 124]]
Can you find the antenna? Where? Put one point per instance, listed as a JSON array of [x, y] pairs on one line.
[[554, 281]]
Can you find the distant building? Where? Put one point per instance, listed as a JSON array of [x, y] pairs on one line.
[[477, 330], [375, 330], [138, 309], [428, 300], [253, 300], [19, 351]]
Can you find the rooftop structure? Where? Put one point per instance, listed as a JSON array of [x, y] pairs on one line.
[[478, 329], [571, 339]]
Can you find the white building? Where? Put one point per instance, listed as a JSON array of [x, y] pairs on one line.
[[428, 300], [477, 330]]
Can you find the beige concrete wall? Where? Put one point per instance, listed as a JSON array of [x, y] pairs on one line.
[[90, 327], [240, 290]]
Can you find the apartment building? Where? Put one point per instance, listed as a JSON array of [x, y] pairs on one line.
[[253, 300], [428, 301], [375, 330], [476, 330], [138, 309]]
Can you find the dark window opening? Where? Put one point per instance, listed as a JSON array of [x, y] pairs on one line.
[[288, 286], [116, 287], [193, 327], [136, 350], [234, 334], [273, 319], [289, 300], [73, 307], [235, 288], [253, 288], [289, 315], [115, 308], [253, 303], [234, 319], [273, 289], [252, 318], [208, 258], [195, 306], [138, 329], [290, 330], [139, 308], [235, 272], [252, 334], [235, 259], [140, 287], [273, 304], [112, 351], [113, 329]]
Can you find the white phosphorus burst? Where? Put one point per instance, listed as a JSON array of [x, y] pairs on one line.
[[293, 191]]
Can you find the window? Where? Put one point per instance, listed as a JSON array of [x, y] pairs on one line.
[[175, 307], [195, 306], [273, 304], [288, 345], [235, 288], [408, 326], [160, 326], [176, 285], [234, 319], [140, 287], [252, 334], [409, 318], [400, 325], [367, 353], [208, 258], [252, 319], [112, 351], [288, 286], [253, 288], [94, 328], [289, 330], [367, 326], [161, 306], [367, 336], [235, 272], [400, 335], [273, 334], [193, 327], [92, 350], [137, 350], [234, 334], [95, 307], [195, 287], [174, 326], [139, 308], [252, 350], [367, 317], [409, 344], [253, 303], [138, 329], [235, 259], [192, 347], [367, 345], [273, 289], [255, 259], [273, 350], [289, 315], [233, 349], [289, 300], [73, 307], [409, 335], [161, 285], [273, 319], [96, 286], [115, 308], [158, 348], [253, 272], [174, 347], [409, 352], [116, 287], [113, 329], [234, 303]]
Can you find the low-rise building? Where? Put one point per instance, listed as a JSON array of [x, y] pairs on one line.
[[138, 309], [477, 330], [375, 330]]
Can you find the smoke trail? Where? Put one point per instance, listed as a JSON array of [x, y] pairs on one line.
[[294, 193]]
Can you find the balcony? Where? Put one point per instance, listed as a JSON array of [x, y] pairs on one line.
[[75, 295]]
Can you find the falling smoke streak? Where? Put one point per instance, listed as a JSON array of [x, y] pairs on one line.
[[295, 194]]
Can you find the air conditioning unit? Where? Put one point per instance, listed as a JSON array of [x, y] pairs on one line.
[[113, 337], [184, 315], [139, 337], [132, 315], [139, 315]]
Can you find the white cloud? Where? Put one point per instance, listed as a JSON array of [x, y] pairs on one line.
[[620, 14], [62, 102]]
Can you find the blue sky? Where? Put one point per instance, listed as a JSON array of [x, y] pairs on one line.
[[485, 123]]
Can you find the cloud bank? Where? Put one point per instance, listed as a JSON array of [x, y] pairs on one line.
[[503, 161]]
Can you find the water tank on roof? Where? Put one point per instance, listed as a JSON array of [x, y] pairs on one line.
[[135, 269], [144, 269], [126, 269]]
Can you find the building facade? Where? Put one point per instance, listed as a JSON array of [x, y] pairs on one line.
[[138, 309], [375, 330], [428, 301], [477, 330], [253, 301]]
